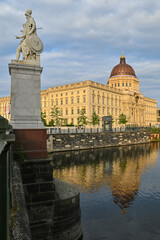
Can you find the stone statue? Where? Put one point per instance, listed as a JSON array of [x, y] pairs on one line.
[[31, 46]]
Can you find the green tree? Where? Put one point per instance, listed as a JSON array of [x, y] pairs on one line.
[[95, 119], [122, 119], [82, 120], [43, 118], [55, 116]]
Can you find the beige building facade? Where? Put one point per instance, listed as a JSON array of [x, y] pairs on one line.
[[119, 95]]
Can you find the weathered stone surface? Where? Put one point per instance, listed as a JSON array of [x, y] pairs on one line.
[[25, 96], [94, 140], [53, 206], [20, 229]]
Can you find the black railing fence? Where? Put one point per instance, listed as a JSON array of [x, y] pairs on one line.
[[70, 130]]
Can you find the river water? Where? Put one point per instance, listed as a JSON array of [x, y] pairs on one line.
[[119, 190]]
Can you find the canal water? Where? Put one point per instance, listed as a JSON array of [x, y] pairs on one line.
[[119, 190]]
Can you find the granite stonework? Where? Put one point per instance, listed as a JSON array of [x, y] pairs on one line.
[[25, 96], [64, 142], [53, 206], [19, 222], [26, 121], [31, 142]]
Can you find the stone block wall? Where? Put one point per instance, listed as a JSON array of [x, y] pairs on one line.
[[62, 142]]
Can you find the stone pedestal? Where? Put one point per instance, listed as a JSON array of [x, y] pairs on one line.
[[25, 96], [26, 109]]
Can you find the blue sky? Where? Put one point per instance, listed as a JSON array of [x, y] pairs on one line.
[[83, 40]]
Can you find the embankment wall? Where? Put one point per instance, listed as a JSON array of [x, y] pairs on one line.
[[63, 142]]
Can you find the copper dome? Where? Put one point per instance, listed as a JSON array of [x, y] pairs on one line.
[[122, 68]]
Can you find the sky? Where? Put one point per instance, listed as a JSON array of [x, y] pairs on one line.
[[83, 40]]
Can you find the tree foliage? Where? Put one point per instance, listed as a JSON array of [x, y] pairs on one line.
[[82, 120], [43, 118], [95, 119], [122, 119], [55, 115]]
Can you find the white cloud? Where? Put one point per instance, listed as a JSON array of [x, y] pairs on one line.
[[83, 39]]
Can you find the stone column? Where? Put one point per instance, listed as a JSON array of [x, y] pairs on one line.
[[26, 109]]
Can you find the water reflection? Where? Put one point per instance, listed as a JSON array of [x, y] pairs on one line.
[[119, 169]]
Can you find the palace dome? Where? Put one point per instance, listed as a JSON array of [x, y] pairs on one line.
[[122, 68]]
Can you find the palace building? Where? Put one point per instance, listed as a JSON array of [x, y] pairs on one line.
[[119, 95]]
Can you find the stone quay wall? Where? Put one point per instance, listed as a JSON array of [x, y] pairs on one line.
[[64, 142]]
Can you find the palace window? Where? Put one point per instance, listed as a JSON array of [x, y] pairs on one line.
[[84, 91], [77, 110], [98, 99], [115, 101], [103, 110], [107, 99], [93, 98], [126, 84], [61, 101], [130, 84], [66, 100], [51, 102], [98, 110], [84, 99], [56, 101], [77, 99], [108, 111], [61, 112], [111, 100], [103, 100], [71, 100], [112, 111], [71, 93], [77, 92], [66, 111], [115, 85], [72, 111], [122, 84], [118, 85]]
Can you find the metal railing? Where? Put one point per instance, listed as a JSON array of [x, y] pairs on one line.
[[70, 130], [6, 140]]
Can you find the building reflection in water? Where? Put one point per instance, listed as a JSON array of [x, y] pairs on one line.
[[119, 169]]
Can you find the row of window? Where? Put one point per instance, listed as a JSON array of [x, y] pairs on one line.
[[66, 94], [72, 111], [118, 85], [108, 100], [61, 102], [98, 110]]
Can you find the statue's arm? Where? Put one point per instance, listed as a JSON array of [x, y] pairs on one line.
[[23, 36], [32, 26]]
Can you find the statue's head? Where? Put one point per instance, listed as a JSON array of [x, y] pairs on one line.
[[28, 13]]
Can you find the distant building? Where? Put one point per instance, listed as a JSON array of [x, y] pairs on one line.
[[120, 95], [158, 115]]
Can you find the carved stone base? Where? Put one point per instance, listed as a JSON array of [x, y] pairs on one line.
[[25, 95]]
